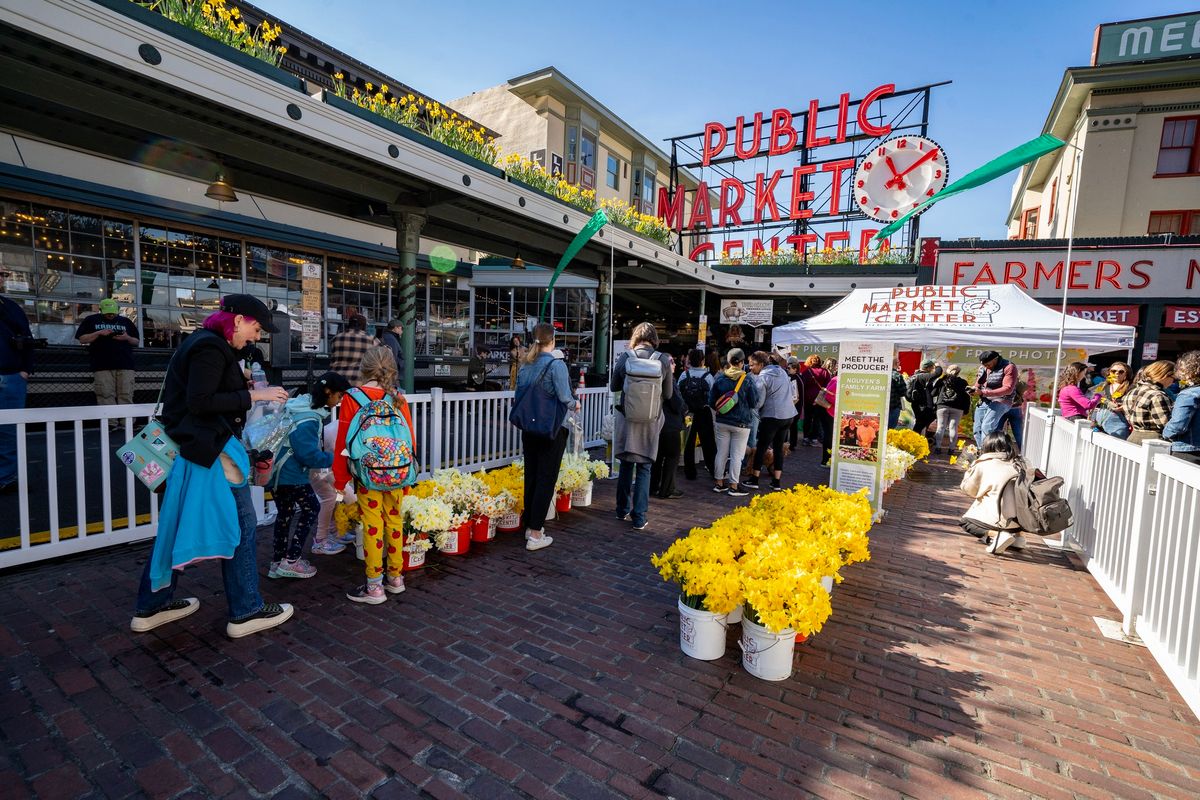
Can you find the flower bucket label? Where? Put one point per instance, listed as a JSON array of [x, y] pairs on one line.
[[687, 630], [416, 559]]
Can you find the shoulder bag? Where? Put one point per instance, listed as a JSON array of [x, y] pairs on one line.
[[151, 453], [536, 411]]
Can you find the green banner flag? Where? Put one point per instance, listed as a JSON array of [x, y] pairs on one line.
[[598, 221], [1018, 156]]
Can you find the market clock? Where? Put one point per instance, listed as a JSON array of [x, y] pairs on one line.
[[898, 175]]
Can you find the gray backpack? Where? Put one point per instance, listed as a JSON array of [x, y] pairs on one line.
[[641, 394], [1039, 507]]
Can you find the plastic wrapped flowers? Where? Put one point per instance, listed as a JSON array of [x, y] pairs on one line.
[[897, 463]]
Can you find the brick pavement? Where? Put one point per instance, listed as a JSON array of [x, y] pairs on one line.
[[944, 672]]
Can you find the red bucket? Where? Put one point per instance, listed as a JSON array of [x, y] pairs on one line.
[[480, 528], [413, 561], [461, 541], [562, 503]]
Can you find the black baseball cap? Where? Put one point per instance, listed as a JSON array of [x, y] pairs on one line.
[[988, 356], [249, 306]]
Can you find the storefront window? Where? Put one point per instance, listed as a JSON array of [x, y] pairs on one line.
[[63, 262], [358, 287], [448, 328], [184, 274], [275, 275]]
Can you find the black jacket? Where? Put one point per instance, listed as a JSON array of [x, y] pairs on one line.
[[205, 398], [961, 401], [673, 411]]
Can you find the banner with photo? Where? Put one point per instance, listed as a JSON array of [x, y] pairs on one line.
[[1036, 372], [860, 418]]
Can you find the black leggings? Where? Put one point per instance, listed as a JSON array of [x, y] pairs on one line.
[[543, 457], [303, 500], [774, 431]]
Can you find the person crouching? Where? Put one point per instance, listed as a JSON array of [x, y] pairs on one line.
[[992, 517]]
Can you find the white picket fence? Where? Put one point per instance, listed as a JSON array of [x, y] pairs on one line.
[[1137, 528], [75, 496]]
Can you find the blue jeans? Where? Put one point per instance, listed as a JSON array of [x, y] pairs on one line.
[[12, 395], [635, 490], [893, 418], [1016, 419], [989, 418], [240, 573]]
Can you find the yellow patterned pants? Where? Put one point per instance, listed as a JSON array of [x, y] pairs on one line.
[[383, 530]]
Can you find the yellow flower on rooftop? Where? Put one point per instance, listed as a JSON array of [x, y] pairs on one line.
[[370, 86], [339, 76]]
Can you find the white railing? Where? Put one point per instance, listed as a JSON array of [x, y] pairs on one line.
[[1137, 529], [75, 496]]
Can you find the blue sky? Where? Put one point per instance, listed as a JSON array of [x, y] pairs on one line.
[[669, 67]]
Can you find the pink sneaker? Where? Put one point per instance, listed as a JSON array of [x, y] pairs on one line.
[[329, 547], [371, 593], [394, 585], [294, 569]]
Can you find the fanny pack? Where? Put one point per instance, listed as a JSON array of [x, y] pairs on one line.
[[726, 402]]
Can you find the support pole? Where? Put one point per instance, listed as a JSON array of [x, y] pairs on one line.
[[409, 221], [603, 304]]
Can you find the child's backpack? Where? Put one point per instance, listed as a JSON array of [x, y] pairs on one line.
[[296, 412], [1039, 509], [694, 392], [379, 444], [641, 394]]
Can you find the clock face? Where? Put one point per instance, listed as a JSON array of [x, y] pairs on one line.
[[898, 175], [980, 306]]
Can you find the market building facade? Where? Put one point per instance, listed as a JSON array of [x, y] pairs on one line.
[[1131, 171]]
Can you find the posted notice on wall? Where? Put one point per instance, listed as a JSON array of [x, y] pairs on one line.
[[860, 418], [747, 312]]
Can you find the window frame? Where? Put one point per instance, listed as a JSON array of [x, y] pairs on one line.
[[1189, 218], [1193, 159], [1025, 219], [612, 173]]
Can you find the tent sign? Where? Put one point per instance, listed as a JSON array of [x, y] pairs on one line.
[[959, 306], [860, 418]]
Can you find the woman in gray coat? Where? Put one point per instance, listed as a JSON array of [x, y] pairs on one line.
[[636, 443]]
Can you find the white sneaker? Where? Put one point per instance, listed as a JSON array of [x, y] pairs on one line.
[[394, 585], [172, 611], [539, 542], [269, 616], [1001, 542], [1018, 542]]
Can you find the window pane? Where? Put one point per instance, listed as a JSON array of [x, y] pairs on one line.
[[1166, 223], [1193, 228], [1174, 162]]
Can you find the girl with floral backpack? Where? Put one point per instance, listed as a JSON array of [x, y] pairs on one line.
[[381, 468]]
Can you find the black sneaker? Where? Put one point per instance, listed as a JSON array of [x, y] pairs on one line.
[[751, 482], [268, 616], [177, 609], [673, 495], [775, 487], [641, 527], [737, 491], [720, 489]]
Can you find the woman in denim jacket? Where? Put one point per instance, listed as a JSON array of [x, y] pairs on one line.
[[1183, 429]]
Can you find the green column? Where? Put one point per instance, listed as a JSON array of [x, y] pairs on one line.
[[603, 303], [409, 223]]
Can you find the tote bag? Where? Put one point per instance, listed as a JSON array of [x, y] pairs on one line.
[[535, 411]]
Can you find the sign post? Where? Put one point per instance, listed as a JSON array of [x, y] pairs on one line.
[[860, 419]]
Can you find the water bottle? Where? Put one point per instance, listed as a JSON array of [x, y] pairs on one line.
[[258, 376]]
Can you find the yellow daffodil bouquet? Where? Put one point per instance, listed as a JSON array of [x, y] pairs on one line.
[[771, 555], [510, 479], [574, 473], [428, 515], [909, 441]]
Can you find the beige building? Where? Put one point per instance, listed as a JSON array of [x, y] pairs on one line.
[[546, 117], [1135, 115]]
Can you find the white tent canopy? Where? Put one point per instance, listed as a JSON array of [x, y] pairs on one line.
[[918, 317]]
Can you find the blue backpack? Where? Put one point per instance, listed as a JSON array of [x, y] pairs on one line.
[[379, 444]]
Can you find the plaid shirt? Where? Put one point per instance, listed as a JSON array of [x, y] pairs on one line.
[[1147, 407], [346, 353]]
